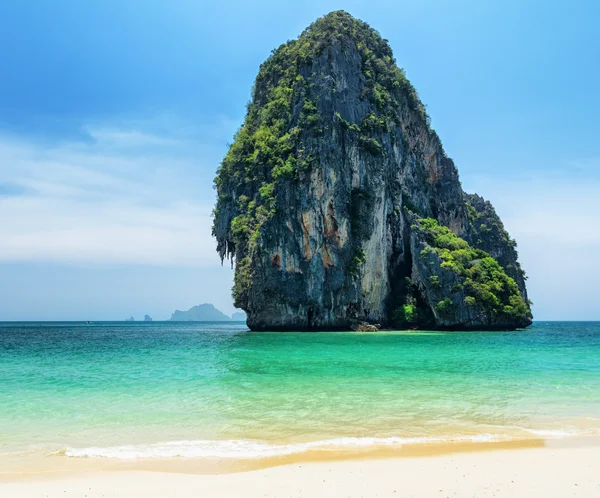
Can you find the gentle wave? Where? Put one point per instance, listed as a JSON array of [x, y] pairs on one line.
[[561, 433], [246, 449], [253, 449]]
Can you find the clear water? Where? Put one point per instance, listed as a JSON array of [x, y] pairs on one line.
[[216, 390]]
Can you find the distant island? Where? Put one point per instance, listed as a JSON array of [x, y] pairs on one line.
[[202, 313], [205, 313]]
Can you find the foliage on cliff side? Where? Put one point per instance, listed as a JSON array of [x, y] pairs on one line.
[[486, 284], [489, 233]]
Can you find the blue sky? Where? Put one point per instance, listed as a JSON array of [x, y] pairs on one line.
[[114, 116]]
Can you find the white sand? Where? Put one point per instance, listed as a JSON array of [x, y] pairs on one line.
[[530, 473]]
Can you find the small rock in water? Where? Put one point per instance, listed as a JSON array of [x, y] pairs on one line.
[[366, 327]]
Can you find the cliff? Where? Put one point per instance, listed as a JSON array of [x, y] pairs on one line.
[[336, 200]]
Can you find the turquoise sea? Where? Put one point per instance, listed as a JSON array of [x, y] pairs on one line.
[[216, 390]]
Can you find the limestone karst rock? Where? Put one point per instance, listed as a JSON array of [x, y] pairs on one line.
[[338, 205]]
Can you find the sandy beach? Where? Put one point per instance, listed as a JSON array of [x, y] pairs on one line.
[[531, 472]]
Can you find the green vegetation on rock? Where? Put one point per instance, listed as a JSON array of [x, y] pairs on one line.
[[486, 284], [489, 234], [407, 314], [486, 222], [357, 262]]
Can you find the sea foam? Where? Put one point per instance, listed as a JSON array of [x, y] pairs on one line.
[[245, 449], [561, 433]]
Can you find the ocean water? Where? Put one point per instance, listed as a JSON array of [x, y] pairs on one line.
[[216, 390]]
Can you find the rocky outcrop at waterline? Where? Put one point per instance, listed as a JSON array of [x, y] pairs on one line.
[[338, 205]]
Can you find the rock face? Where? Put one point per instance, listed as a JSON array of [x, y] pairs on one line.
[[333, 190]]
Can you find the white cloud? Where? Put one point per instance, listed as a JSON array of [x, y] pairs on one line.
[[120, 195]]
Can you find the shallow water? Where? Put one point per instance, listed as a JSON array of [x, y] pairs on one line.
[[215, 390]]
